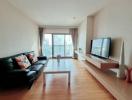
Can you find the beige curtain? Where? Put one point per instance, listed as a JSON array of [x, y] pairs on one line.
[[74, 35], [41, 37]]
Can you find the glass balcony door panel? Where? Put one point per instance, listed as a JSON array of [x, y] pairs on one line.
[[68, 46], [58, 45], [47, 48]]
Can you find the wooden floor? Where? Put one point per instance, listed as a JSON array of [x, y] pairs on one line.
[[83, 86]]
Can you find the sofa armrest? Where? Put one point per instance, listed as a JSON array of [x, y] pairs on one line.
[[18, 72], [42, 58]]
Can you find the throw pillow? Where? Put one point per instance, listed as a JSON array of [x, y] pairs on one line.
[[32, 58], [22, 61]]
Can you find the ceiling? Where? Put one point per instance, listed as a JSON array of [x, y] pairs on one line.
[[58, 12]]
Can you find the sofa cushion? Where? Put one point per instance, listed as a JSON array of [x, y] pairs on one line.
[[37, 68], [16, 66], [31, 75], [22, 61], [6, 64], [42, 58], [43, 62], [32, 58]]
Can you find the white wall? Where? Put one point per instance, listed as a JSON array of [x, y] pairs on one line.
[[85, 34], [115, 21], [89, 35], [82, 31], [17, 33]]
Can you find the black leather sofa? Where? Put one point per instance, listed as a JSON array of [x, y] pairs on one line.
[[12, 76]]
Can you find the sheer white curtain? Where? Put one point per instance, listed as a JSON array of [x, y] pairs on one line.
[[41, 39], [74, 35]]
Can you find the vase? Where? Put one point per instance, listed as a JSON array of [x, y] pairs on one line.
[[128, 75], [121, 71]]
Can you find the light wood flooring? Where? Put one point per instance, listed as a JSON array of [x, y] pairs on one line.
[[83, 86]]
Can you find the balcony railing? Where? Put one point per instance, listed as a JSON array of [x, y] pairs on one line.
[[63, 50]]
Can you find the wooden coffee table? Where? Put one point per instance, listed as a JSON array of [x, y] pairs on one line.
[[56, 70]]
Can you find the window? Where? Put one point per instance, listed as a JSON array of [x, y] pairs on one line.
[[58, 44]]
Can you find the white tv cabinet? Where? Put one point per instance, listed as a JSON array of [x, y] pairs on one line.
[[102, 64]]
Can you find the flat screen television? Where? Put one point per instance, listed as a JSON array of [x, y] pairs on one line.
[[101, 47]]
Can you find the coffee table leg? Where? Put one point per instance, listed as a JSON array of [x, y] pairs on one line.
[[69, 76], [44, 79]]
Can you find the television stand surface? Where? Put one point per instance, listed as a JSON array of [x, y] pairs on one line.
[[100, 63]]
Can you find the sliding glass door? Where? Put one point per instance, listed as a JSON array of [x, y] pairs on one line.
[[47, 47], [68, 46], [58, 44]]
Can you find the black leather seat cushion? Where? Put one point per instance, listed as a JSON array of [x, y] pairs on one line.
[[37, 68], [6, 64], [41, 62], [31, 75]]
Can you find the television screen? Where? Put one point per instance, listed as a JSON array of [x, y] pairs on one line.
[[105, 48], [96, 46], [100, 47]]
